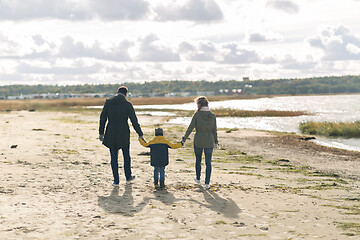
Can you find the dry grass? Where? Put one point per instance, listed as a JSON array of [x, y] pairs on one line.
[[76, 104], [331, 129], [49, 104]]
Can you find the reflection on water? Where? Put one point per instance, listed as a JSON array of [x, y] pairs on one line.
[[323, 108]]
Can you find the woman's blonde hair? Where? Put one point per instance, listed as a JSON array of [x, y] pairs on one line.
[[201, 102]]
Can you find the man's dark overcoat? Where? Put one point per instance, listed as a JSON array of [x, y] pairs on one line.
[[117, 110]]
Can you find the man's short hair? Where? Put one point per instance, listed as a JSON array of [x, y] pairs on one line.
[[122, 90]]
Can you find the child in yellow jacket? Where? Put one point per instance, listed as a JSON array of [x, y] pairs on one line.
[[159, 155]]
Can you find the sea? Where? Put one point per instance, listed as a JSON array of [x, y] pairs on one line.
[[332, 108]]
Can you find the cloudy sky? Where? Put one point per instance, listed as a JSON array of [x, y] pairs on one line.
[[111, 41]]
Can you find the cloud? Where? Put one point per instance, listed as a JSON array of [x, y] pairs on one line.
[[263, 37], [205, 51], [120, 9], [239, 56], [337, 43], [192, 10], [37, 9], [73, 9], [291, 63], [71, 49], [287, 6], [8, 47], [75, 69], [150, 50]]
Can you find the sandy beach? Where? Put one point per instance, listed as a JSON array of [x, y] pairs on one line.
[[56, 183]]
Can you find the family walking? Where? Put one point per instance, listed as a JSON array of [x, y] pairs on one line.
[[116, 112]]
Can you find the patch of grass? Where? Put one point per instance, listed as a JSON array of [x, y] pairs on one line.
[[252, 235], [353, 199], [245, 173], [73, 120], [322, 186], [236, 152], [220, 222], [274, 215], [349, 226], [286, 189], [351, 210], [68, 151], [331, 129]]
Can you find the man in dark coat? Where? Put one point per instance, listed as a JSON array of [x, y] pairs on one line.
[[117, 110]]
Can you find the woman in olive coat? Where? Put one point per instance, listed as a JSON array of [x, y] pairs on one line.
[[205, 140]]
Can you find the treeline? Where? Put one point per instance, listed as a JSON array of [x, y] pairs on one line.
[[315, 85]]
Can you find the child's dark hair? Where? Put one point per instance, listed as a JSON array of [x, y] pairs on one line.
[[159, 132]]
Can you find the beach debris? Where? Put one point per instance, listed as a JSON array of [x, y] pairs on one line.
[[13, 146], [144, 154], [38, 129], [307, 138], [239, 224], [264, 228]]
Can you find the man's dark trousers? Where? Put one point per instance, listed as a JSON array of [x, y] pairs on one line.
[[115, 166]]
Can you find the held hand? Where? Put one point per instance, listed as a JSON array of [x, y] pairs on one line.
[[182, 143], [101, 137], [142, 138]]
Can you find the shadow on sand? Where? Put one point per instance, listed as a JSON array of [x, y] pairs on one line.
[[124, 204], [226, 207], [121, 204]]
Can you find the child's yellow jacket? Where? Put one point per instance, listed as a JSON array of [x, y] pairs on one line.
[[159, 153]]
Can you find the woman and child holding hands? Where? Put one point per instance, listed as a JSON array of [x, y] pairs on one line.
[[205, 140], [117, 110]]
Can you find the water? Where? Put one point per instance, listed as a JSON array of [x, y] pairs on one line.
[[334, 108]]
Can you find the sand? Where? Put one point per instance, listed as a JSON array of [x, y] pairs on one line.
[[56, 183]]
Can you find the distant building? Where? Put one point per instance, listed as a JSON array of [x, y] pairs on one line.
[[246, 79]]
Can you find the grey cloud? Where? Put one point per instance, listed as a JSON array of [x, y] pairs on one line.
[[261, 37], [205, 51], [120, 9], [71, 49], [31, 9], [290, 63], [287, 6], [150, 51], [76, 69], [239, 56], [192, 10], [269, 60], [8, 48], [73, 10], [38, 39], [337, 43]]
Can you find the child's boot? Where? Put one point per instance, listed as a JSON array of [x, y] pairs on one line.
[[162, 184], [156, 183]]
